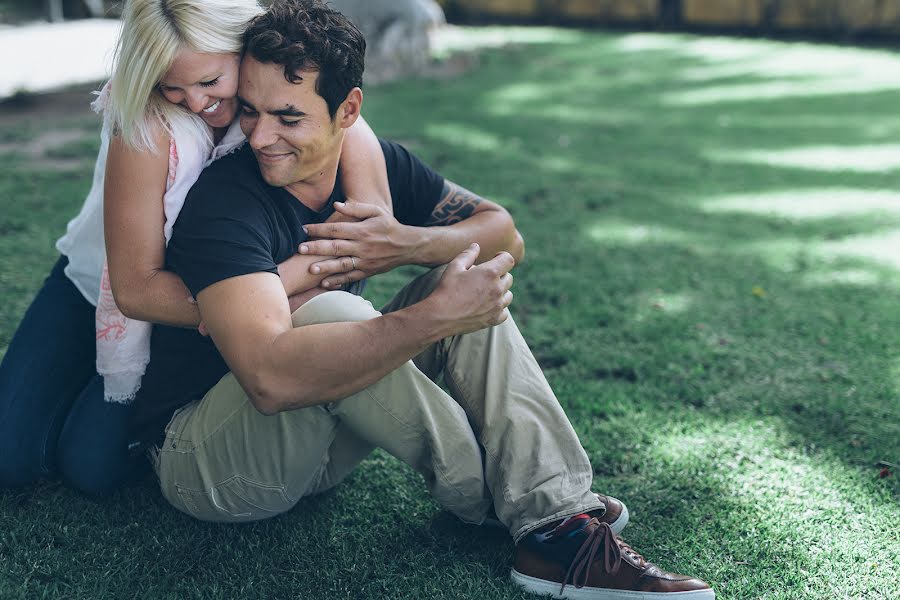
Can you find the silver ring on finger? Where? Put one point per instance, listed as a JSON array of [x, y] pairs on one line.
[[353, 262]]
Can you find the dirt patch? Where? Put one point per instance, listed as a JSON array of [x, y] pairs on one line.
[[36, 150], [48, 109], [50, 122]]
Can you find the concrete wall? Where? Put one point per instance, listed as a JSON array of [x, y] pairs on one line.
[[812, 16]]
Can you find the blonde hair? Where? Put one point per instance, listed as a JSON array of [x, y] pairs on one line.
[[153, 31]]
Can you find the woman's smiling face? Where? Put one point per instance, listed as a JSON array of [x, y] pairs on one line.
[[205, 84]]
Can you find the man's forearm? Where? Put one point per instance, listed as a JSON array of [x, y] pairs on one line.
[[340, 359], [493, 230]]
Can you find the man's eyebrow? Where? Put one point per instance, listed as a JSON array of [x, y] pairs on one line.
[[289, 111]]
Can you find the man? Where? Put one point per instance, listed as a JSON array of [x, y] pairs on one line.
[[312, 392]]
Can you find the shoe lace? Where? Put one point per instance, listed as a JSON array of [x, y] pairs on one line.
[[613, 546]]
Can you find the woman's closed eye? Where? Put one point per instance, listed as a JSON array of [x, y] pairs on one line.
[[210, 83]]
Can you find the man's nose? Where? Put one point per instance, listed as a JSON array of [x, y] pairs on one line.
[[261, 134], [196, 102]]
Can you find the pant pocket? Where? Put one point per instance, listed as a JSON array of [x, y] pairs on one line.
[[239, 499]]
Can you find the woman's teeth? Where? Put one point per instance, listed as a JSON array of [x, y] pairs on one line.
[[212, 108]]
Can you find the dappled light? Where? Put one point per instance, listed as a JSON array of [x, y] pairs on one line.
[[873, 158], [755, 466], [519, 93], [809, 203], [621, 232], [653, 304], [464, 136], [882, 247], [783, 70], [447, 40], [853, 277]]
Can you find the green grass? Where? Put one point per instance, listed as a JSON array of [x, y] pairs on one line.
[[732, 366]]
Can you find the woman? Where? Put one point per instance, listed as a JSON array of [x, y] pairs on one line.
[[168, 109]]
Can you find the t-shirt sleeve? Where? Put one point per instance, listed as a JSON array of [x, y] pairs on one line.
[[222, 232], [416, 188]]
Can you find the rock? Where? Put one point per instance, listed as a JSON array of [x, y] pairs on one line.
[[397, 34]]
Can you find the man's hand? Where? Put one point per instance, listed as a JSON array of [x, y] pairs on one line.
[[472, 297], [376, 243]]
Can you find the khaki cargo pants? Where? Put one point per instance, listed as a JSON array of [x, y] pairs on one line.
[[499, 437]]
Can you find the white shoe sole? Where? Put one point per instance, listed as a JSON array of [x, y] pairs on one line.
[[617, 526], [543, 587]]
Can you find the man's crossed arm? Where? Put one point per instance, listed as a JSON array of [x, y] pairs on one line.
[[283, 368]]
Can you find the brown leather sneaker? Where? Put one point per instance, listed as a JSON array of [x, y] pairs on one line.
[[616, 515], [582, 559]]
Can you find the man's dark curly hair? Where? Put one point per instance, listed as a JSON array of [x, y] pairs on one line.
[[309, 35]]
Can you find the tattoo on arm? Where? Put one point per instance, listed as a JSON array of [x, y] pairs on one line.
[[457, 203]]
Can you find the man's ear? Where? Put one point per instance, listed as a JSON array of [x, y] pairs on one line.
[[349, 110]]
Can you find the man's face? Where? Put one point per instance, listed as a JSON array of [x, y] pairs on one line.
[[287, 124]]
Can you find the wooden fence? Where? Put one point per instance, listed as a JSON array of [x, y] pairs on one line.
[[834, 17]]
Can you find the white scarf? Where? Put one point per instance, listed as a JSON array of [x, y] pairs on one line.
[[123, 344]]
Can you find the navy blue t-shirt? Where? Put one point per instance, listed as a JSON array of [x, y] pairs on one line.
[[233, 223]]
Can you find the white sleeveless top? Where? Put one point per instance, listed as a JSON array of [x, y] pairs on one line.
[[84, 243]]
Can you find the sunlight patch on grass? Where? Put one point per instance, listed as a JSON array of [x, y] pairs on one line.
[[628, 233], [449, 39], [520, 93], [855, 277], [785, 69], [757, 463], [895, 374], [883, 247], [564, 113], [464, 136], [780, 89], [864, 159], [883, 126], [660, 303], [809, 204], [803, 513]]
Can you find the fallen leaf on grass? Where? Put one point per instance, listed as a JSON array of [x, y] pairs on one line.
[[758, 292], [885, 472]]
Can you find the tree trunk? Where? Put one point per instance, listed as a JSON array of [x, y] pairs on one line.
[[54, 10], [397, 34]]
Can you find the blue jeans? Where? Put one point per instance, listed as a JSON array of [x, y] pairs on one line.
[[53, 418]]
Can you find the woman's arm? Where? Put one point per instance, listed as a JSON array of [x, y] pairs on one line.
[[363, 170], [135, 246]]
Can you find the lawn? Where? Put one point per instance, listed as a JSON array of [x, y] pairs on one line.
[[711, 283]]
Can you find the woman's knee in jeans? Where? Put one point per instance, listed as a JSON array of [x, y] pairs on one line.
[[94, 470], [334, 307], [94, 460]]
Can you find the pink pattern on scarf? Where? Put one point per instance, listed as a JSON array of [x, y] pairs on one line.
[[173, 164], [111, 323]]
